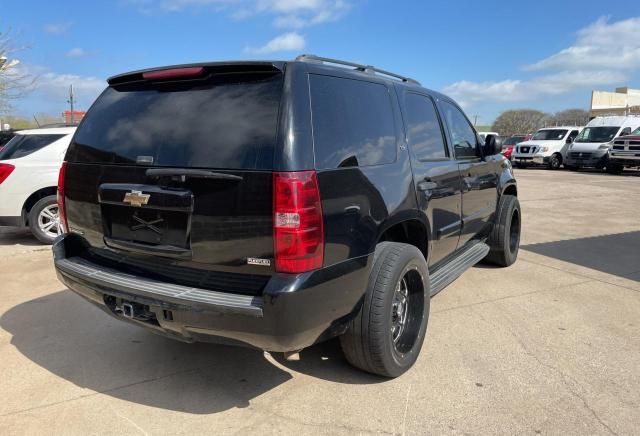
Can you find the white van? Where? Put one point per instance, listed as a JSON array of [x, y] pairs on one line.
[[591, 147], [547, 147]]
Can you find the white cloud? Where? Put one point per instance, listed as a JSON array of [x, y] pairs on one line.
[[56, 28], [50, 90], [468, 93], [291, 41], [76, 52], [604, 53], [290, 14], [601, 45]]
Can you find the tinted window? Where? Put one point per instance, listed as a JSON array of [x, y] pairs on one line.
[[23, 145], [352, 122], [573, 134], [597, 134], [462, 134], [549, 135], [423, 128], [230, 123]]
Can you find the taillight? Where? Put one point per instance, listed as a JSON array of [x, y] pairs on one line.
[[62, 212], [297, 222], [5, 171]]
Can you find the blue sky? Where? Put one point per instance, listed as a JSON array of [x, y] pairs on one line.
[[490, 56]]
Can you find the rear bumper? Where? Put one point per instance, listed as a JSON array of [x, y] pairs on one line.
[[293, 312]]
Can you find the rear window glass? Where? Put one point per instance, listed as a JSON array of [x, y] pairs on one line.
[[23, 145], [230, 123], [352, 122]]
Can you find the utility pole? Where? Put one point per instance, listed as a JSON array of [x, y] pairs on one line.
[[71, 101]]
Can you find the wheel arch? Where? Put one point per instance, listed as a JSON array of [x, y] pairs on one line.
[[34, 198], [411, 229]]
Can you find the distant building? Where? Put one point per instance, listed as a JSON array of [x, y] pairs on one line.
[[73, 117], [622, 102]]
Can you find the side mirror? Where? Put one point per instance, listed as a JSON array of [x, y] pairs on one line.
[[489, 148], [569, 140]]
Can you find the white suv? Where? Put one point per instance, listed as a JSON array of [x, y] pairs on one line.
[[547, 147], [29, 166]]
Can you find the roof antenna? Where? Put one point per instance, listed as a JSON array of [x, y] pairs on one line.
[[34, 117]]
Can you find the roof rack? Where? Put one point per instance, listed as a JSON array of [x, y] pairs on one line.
[[364, 68]]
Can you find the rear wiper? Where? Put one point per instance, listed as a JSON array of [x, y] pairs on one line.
[[185, 173]]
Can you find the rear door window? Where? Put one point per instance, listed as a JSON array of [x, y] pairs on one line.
[[229, 123], [23, 145], [353, 122], [424, 132]]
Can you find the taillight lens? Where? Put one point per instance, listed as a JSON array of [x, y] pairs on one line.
[[297, 222], [62, 212], [5, 171]]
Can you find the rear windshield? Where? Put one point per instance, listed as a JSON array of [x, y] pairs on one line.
[[23, 145], [230, 123], [549, 135], [513, 140], [597, 134]]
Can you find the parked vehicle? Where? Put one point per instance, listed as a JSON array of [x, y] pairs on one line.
[[591, 147], [255, 223], [29, 166], [547, 147], [510, 142], [5, 136], [624, 153], [483, 135]]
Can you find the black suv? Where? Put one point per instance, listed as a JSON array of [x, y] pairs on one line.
[[279, 204]]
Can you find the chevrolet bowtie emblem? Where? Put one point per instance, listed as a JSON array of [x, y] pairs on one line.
[[136, 198]]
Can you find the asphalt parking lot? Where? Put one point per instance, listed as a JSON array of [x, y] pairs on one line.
[[548, 346]]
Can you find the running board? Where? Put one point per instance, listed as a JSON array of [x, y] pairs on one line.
[[447, 273]]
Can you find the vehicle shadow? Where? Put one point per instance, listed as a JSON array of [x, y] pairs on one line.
[[76, 341], [617, 254], [18, 236]]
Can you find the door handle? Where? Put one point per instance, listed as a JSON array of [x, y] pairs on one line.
[[427, 185]]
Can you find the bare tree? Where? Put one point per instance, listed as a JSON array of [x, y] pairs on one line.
[[519, 121], [14, 82], [570, 117]]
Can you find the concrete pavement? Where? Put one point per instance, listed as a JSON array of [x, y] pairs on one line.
[[548, 346]]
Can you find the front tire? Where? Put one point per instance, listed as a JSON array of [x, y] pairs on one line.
[[615, 169], [504, 241], [386, 336], [555, 161], [44, 220]]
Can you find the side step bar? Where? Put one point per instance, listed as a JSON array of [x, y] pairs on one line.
[[450, 271]]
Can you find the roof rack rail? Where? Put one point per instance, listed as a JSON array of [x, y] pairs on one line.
[[364, 68]]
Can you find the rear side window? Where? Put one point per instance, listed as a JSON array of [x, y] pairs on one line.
[[230, 123], [423, 128], [24, 145], [352, 122]]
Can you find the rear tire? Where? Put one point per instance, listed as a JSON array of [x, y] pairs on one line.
[[386, 336], [44, 220], [504, 240]]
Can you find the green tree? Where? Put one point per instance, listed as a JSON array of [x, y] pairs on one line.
[[519, 121]]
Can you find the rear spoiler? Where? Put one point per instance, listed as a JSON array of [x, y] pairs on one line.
[[199, 69]]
